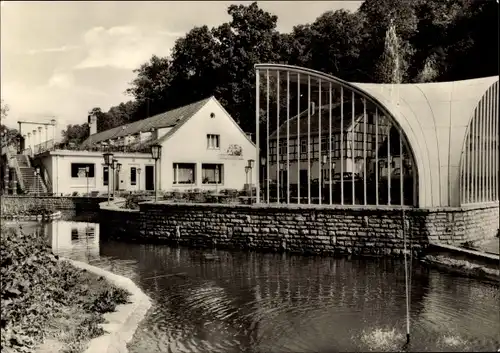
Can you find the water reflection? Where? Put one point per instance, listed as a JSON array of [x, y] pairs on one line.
[[253, 302], [78, 240]]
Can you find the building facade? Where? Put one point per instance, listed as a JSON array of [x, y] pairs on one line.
[[202, 148]]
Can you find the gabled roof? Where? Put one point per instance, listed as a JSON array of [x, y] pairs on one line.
[[178, 126], [172, 118]]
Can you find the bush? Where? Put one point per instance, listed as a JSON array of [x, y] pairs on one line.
[[36, 287], [132, 200]]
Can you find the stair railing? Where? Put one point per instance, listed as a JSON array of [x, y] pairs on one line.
[[45, 181]]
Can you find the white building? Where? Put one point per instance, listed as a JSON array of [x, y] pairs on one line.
[[202, 148]]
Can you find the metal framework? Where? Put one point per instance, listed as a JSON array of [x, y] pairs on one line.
[[479, 162], [326, 142]]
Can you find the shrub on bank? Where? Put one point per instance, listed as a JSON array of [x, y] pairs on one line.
[[43, 297], [28, 209]]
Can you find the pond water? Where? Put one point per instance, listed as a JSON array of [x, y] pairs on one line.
[[254, 302]]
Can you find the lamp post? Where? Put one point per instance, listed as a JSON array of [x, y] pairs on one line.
[[87, 170], [118, 168], [139, 179], [108, 158], [251, 163], [113, 167], [247, 169], [156, 154], [216, 180]]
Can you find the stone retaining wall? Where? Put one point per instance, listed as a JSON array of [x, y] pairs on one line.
[[15, 205], [119, 223], [303, 229]]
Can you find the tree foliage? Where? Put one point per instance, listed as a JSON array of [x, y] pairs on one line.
[[4, 109], [436, 40], [75, 134], [9, 136]]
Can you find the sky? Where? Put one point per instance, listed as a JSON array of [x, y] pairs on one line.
[[61, 59]]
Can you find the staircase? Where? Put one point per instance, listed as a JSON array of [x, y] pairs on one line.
[[33, 184]]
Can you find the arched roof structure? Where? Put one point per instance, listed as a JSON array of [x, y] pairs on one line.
[[434, 118]]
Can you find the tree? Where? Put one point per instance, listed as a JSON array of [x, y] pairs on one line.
[[391, 66], [336, 38], [9, 136], [75, 134], [4, 110], [249, 38], [150, 88], [377, 16], [472, 43], [435, 40]]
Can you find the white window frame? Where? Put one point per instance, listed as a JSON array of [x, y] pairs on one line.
[[213, 142]]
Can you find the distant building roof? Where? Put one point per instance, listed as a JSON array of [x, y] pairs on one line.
[[172, 118]]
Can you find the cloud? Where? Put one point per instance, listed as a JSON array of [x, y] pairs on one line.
[[59, 97], [124, 47], [62, 49]]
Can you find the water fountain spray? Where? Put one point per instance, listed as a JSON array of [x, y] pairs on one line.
[[392, 53]]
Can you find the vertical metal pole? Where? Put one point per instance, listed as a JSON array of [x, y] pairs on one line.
[[487, 138], [493, 134], [495, 145], [401, 179], [278, 142], [389, 164], [407, 284], [267, 138], [257, 131], [109, 192], [495, 142], [156, 180], [251, 187], [469, 164], [481, 150], [463, 172], [376, 156], [353, 164], [364, 152], [474, 146], [320, 167], [330, 178], [298, 148], [288, 137], [112, 180], [342, 145], [309, 139]]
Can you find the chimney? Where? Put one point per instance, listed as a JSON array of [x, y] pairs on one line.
[[92, 120]]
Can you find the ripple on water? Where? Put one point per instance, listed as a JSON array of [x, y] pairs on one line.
[[251, 302]]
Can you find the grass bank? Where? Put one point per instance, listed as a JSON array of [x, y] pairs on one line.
[[47, 304]]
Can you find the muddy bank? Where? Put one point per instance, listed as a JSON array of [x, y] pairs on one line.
[[463, 267]]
